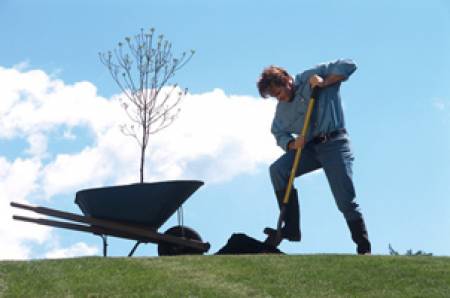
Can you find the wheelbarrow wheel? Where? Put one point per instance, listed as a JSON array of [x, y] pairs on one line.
[[167, 249]]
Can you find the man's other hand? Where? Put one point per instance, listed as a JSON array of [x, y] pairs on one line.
[[299, 142], [316, 81]]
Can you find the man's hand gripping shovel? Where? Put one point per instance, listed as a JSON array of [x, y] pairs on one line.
[[274, 239]]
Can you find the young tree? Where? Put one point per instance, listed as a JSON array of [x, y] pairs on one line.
[[141, 66]]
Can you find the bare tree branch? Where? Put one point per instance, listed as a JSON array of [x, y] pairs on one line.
[[141, 67]]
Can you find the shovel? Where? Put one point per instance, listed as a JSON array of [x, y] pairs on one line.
[[274, 239]]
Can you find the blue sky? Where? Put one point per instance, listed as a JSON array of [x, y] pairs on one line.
[[397, 108]]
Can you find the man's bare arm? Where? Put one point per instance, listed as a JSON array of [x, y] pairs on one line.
[[318, 81]]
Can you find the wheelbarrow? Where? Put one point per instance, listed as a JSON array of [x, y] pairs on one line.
[[134, 212]]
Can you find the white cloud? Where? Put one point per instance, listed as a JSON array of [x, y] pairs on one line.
[[38, 145], [216, 137], [441, 104], [33, 102], [68, 135], [21, 66], [77, 250], [17, 181]]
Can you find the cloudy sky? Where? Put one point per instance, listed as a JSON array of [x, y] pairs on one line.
[[60, 116]]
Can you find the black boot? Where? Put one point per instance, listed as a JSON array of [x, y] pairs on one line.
[[291, 229], [360, 236]]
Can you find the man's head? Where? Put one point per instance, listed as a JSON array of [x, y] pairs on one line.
[[275, 81]]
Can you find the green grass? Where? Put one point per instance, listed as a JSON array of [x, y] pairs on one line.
[[229, 276]]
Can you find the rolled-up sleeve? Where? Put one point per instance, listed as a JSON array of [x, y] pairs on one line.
[[343, 67], [282, 137]]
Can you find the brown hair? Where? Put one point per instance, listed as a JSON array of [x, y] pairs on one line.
[[272, 76]]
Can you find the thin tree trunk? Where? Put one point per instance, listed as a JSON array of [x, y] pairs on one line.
[[141, 171], [144, 141], [143, 146]]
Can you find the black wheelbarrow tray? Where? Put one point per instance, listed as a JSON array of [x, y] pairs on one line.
[[134, 211]]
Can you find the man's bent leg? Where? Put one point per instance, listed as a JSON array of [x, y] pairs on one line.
[[337, 160], [279, 173], [291, 229], [280, 170]]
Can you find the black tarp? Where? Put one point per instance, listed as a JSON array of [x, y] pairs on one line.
[[243, 244]]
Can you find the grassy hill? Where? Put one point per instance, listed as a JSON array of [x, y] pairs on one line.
[[229, 276]]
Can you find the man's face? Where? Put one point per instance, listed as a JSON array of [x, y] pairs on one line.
[[282, 93]]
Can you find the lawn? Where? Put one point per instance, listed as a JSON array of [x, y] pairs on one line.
[[229, 276]]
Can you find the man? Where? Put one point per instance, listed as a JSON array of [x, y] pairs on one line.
[[326, 144]]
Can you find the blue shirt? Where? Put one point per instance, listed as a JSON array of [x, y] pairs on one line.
[[327, 115]]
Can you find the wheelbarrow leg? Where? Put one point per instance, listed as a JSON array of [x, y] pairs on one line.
[[105, 245], [134, 248]]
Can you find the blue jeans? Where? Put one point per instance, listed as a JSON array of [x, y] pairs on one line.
[[336, 159]]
